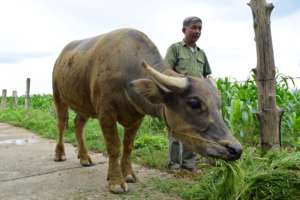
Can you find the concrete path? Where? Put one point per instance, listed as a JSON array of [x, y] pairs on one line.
[[27, 171]]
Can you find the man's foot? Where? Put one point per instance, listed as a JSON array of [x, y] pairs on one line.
[[192, 169], [174, 166]]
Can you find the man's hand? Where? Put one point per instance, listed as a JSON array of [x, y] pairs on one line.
[[171, 72]]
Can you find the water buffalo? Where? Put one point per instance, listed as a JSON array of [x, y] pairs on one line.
[[102, 77]]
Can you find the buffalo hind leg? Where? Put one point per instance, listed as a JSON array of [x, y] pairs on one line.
[[116, 182], [130, 133], [62, 112], [85, 159]]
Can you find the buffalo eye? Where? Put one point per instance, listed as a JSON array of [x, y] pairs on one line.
[[194, 103]]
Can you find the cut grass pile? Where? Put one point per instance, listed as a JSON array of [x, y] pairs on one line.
[[274, 176]]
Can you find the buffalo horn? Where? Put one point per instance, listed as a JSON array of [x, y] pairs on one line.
[[168, 81]]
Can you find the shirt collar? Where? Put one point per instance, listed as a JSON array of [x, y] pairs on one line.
[[185, 45]]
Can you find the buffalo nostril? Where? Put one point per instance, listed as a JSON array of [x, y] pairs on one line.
[[231, 150], [235, 149]]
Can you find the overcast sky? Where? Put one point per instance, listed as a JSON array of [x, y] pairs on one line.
[[33, 32]]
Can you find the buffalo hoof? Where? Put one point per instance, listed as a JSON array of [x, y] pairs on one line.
[[85, 159], [86, 162], [117, 189], [59, 157], [130, 178]]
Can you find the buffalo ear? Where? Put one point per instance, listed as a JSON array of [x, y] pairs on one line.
[[149, 90]]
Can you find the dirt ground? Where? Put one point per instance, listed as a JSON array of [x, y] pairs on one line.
[[27, 171]]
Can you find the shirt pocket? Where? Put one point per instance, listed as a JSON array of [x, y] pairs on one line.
[[200, 60], [182, 64], [200, 64]]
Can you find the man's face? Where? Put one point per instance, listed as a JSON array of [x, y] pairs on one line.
[[192, 32]]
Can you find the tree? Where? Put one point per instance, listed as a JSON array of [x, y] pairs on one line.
[[269, 115]]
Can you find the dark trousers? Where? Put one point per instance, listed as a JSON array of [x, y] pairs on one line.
[[180, 154]]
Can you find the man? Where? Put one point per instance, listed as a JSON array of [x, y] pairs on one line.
[[186, 58]]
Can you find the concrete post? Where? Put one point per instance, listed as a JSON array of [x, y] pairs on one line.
[[3, 100], [14, 100], [27, 94]]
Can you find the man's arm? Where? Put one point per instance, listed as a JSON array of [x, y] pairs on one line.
[[207, 73], [171, 61], [171, 57], [206, 69]]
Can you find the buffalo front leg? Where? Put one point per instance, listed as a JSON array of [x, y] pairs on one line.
[[130, 133], [62, 112], [85, 159], [115, 178]]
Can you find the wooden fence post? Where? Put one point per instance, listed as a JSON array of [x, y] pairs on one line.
[[269, 115], [15, 99], [27, 94], [3, 100]]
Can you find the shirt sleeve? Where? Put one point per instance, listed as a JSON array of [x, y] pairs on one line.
[[171, 58], [206, 69]]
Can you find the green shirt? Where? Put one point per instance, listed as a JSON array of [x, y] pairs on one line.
[[183, 60]]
